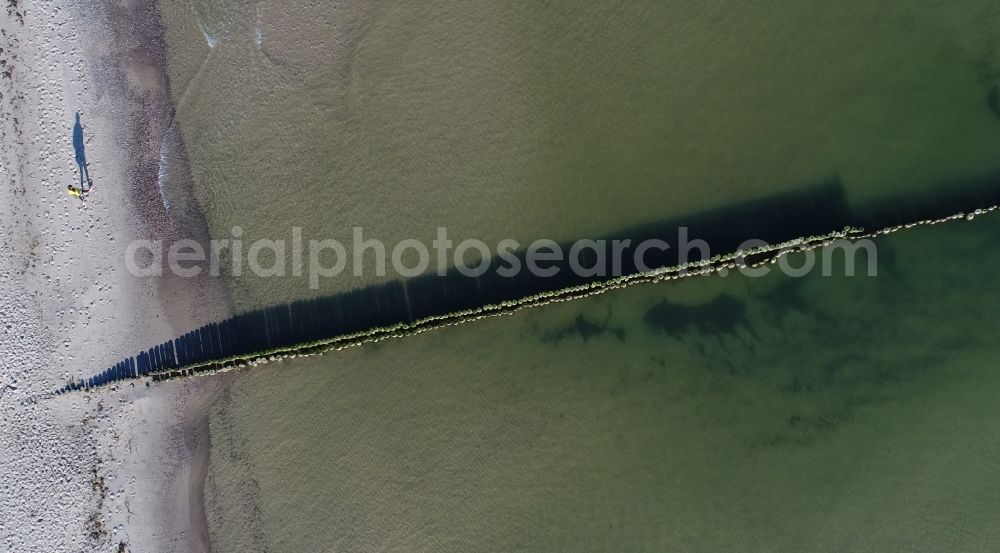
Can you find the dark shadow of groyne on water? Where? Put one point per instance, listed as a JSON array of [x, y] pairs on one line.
[[809, 216]]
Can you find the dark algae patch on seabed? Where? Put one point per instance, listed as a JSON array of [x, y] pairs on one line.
[[717, 317], [814, 413]]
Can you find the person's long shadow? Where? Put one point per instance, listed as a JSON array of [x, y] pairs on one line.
[[81, 156]]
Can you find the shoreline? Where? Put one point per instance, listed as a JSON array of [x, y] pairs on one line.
[[198, 436], [96, 471], [183, 446]]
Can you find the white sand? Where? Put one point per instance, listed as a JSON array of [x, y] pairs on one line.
[[81, 472]]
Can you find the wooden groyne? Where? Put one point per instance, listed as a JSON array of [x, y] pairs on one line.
[[804, 219]]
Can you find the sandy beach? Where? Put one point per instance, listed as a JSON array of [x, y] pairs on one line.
[[108, 470], [794, 415]]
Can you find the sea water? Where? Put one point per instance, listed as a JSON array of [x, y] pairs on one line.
[[712, 414], [528, 120]]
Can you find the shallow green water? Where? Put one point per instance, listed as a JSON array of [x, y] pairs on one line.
[[778, 414], [528, 120], [774, 414]]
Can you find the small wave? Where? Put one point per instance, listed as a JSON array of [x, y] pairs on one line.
[[258, 34], [163, 173], [210, 39]]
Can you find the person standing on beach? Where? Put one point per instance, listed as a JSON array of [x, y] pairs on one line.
[[81, 161]]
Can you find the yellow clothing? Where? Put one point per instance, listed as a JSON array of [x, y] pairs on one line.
[[74, 192]]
